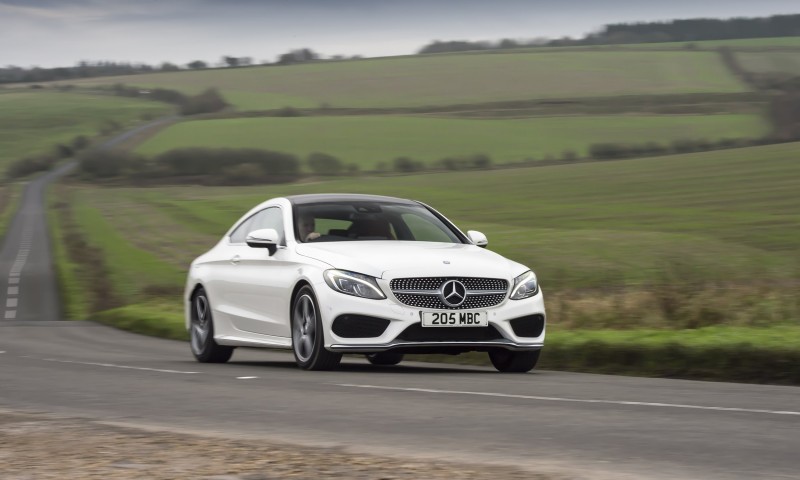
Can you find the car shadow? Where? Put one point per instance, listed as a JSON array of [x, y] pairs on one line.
[[369, 368]]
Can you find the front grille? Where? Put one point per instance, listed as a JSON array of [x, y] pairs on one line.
[[433, 283], [423, 292], [418, 333], [528, 326], [433, 301], [359, 326]]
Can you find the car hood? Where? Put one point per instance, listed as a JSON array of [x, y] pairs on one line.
[[392, 259]]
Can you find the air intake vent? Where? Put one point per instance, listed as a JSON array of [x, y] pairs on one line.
[[359, 326], [529, 326]]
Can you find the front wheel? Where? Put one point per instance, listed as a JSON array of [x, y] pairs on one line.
[[308, 339], [514, 362], [201, 332]]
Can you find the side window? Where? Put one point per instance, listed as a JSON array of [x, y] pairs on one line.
[[242, 230], [268, 218]]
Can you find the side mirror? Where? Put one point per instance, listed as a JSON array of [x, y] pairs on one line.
[[478, 238], [265, 238]]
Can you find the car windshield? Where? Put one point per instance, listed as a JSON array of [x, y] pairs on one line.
[[353, 221]]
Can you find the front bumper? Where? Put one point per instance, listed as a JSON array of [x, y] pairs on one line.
[[401, 316]]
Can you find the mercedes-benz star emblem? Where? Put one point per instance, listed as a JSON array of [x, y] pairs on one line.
[[453, 293]]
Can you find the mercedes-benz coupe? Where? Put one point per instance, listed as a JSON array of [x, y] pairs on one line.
[[329, 274]]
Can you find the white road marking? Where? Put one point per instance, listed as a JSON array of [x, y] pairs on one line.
[[13, 280], [2, 351], [13, 274], [11, 302], [111, 365], [11, 314], [574, 400], [245, 378], [13, 290]]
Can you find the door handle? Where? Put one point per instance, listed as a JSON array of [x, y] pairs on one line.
[[236, 259]]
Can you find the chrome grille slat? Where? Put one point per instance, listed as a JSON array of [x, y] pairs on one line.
[[423, 292]]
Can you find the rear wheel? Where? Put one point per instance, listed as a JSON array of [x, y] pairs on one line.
[[385, 358], [308, 340], [201, 332], [514, 362]]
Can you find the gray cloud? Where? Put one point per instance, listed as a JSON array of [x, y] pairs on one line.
[[61, 32]]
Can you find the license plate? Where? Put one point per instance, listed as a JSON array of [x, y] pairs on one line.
[[455, 319]]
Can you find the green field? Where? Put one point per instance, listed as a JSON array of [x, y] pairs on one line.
[[738, 43], [454, 79], [369, 140], [771, 62], [33, 122], [716, 226]]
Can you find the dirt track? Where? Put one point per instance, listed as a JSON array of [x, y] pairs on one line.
[[43, 446]]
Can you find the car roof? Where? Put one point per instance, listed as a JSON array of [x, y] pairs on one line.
[[345, 197]]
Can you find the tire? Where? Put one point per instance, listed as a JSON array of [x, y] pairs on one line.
[[514, 362], [201, 332], [308, 338], [384, 358]]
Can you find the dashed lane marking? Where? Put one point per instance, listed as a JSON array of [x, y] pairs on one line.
[[11, 302], [112, 365], [575, 400], [13, 290], [245, 378], [13, 280], [11, 314]]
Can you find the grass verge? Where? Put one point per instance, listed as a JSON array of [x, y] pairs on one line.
[[163, 320]]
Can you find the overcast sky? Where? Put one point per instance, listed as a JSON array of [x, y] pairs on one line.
[[51, 33]]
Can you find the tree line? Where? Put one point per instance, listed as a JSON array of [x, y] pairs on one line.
[[684, 30], [85, 69]]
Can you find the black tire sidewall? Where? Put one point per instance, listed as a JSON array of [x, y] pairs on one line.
[[319, 338], [211, 351]]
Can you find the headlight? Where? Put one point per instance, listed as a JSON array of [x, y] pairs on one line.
[[525, 286], [355, 284]]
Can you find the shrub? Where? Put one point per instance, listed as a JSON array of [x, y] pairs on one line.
[[30, 165], [207, 102], [352, 169], [324, 164], [406, 164], [109, 163], [609, 151], [218, 165], [569, 156], [64, 151], [288, 112], [80, 142], [481, 160]]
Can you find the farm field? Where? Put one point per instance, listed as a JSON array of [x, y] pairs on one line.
[[33, 122], [454, 79], [737, 43], [723, 228], [771, 62], [370, 140]]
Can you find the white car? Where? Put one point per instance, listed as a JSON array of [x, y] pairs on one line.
[[330, 274]]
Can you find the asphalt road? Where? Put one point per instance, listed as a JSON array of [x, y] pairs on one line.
[[590, 426]]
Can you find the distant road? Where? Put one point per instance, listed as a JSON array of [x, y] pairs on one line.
[[584, 425]]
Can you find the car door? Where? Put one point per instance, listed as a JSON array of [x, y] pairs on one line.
[[258, 284]]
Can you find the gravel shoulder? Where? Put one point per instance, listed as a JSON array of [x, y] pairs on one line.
[[37, 445]]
